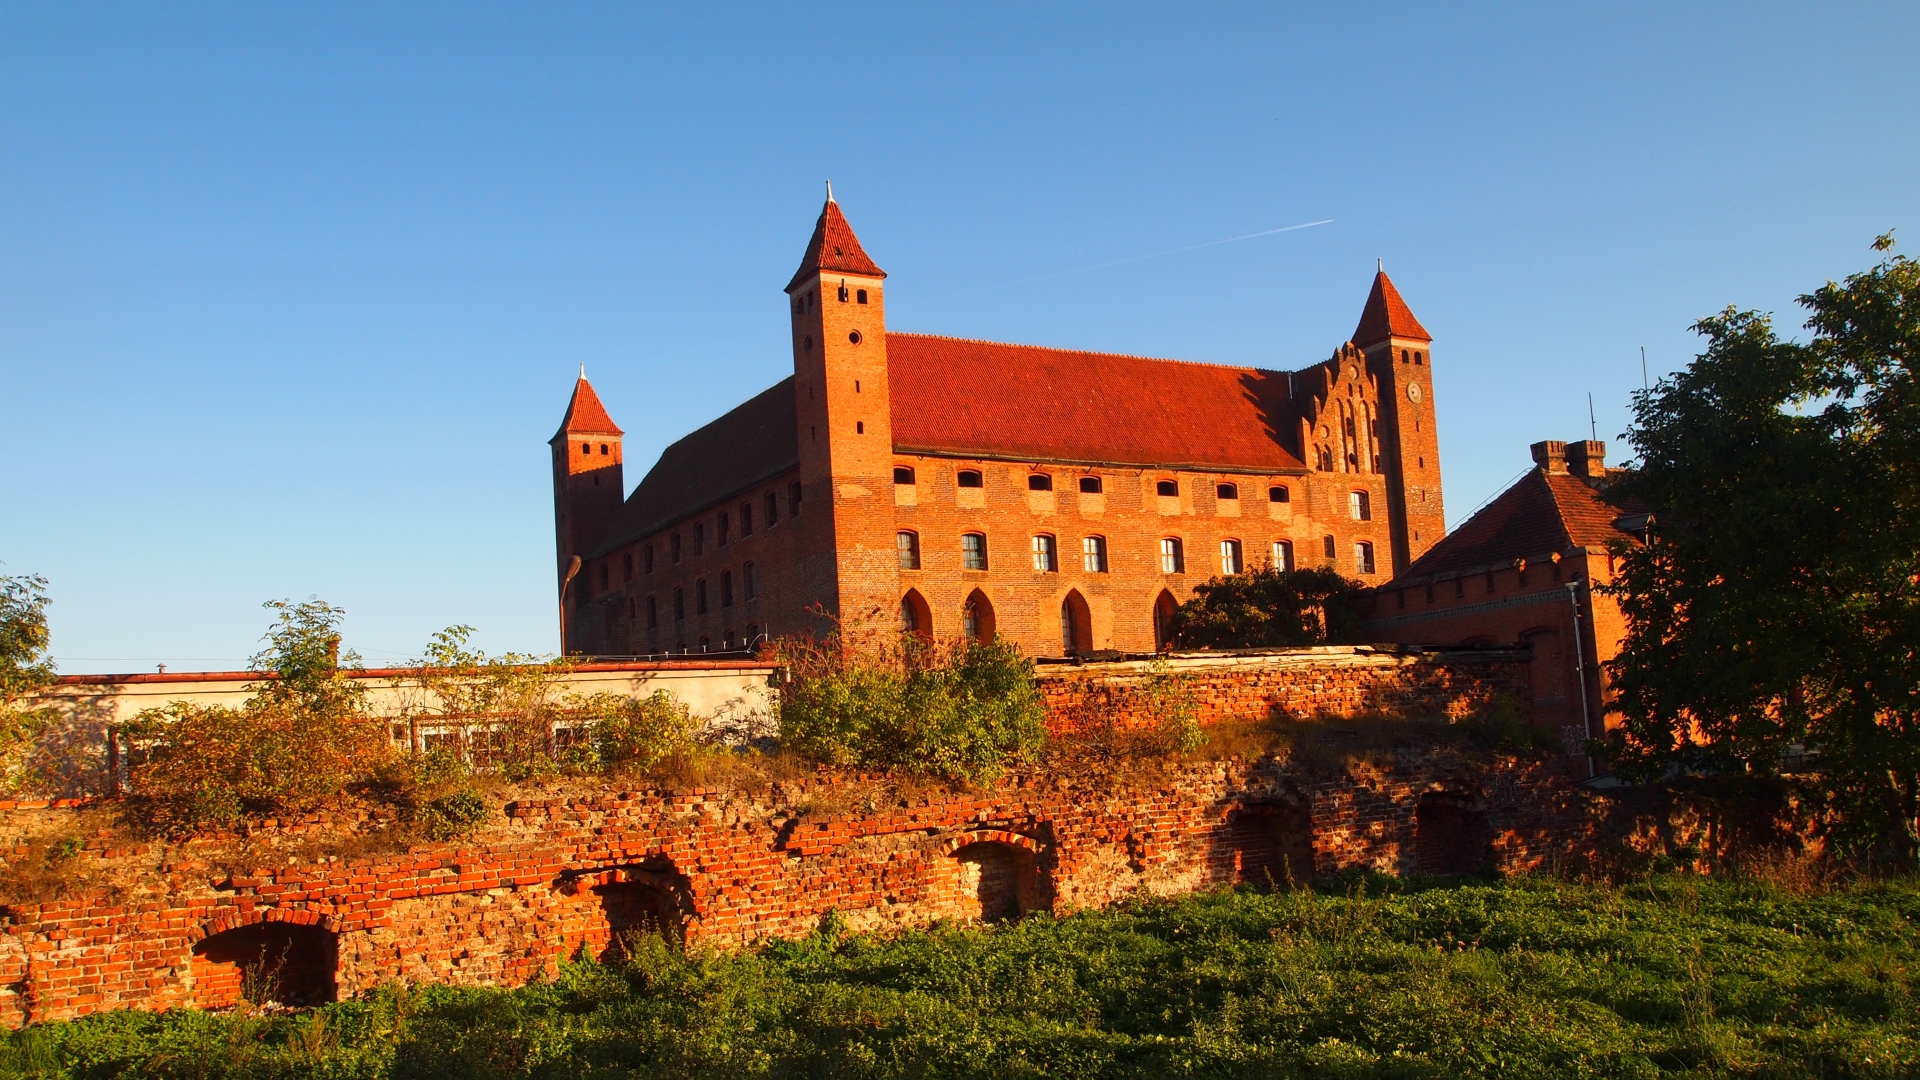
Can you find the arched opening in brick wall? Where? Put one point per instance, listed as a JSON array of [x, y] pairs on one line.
[[916, 617], [630, 910], [1164, 606], [998, 882], [1268, 844], [1076, 624], [1451, 834], [976, 618], [267, 961]]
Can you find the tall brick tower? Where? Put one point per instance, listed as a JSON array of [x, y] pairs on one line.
[[587, 484], [1398, 353], [844, 407]]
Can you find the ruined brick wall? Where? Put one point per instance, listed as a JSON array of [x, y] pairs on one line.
[[1311, 683], [550, 876]]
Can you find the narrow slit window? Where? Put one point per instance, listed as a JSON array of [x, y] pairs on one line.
[[746, 519], [1326, 547], [726, 588], [772, 503], [749, 583], [653, 613]]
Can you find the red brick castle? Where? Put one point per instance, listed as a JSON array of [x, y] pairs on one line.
[[1065, 500]]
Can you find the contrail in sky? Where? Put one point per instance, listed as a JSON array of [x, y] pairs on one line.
[[1139, 258]]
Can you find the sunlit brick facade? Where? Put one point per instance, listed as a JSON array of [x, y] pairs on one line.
[[1065, 500]]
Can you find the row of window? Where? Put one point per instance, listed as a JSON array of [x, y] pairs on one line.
[[1093, 553], [724, 525], [749, 591], [903, 475]]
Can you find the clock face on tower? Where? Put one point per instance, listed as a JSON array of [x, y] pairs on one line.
[[1413, 392]]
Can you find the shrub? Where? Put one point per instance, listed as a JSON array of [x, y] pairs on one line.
[[1270, 608], [25, 670], [959, 710], [634, 735]]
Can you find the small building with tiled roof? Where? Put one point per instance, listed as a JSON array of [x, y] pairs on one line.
[[1065, 499], [1521, 570]]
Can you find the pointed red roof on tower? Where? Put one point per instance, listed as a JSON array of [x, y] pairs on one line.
[[585, 414], [1386, 315], [834, 247]]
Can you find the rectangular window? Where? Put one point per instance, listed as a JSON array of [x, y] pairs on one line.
[[973, 551], [1227, 492], [969, 478], [1045, 558], [700, 596], [1093, 554], [749, 583], [1326, 547], [1279, 494], [1358, 506], [1167, 489], [903, 475], [1039, 482], [1089, 485], [909, 544], [1283, 554], [1363, 562], [1230, 562], [720, 531], [726, 588], [1173, 559]]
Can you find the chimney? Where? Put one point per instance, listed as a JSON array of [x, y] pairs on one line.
[[1588, 461], [1551, 456]]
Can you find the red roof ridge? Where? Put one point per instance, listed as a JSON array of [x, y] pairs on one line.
[[585, 414], [1085, 352]]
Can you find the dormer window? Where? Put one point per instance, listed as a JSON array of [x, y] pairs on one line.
[[1039, 482], [969, 478]]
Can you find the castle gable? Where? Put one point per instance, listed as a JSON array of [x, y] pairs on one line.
[[1024, 402], [754, 442]]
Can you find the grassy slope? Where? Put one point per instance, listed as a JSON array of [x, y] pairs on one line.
[[1526, 978]]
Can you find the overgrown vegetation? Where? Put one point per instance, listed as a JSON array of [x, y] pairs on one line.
[[868, 695], [1774, 616], [25, 670], [1269, 607], [1669, 975]]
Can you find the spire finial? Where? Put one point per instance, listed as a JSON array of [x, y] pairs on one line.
[[583, 372], [1380, 265], [829, 191]]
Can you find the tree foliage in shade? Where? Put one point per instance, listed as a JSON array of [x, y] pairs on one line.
[[25, 670], [1776, 607], [1269, 607]]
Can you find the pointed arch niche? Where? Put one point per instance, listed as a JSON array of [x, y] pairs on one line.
[[976, 618], [916, 617], [1163, 609], [1076, 624]]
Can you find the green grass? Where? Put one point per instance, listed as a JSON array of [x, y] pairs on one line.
[[1671, 975]]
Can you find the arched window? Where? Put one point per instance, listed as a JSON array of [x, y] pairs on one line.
[[679, 604], [1359, 506], [1167, 489], [1363, 561], [903, 475], [699, 537], [1089, 485], [915, 617], [626, 567], [772, 504], [976, 618], [860, 296], [973, 551], [720, 532], [1283, 554], [1173, 557], [746, 520], [1076, 624], [1163, 609], [909, 544], [1279, 493], [969, 478], [646, 559], [653, 613], [700, 596], [1039, 482], [1045, 557], [1230, 558], [1227, 492], [1093, 554]]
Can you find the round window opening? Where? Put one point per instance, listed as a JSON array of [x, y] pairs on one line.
[[1413, 391], [854, 337]]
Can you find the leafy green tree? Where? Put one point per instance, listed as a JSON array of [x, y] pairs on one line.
[[1270, 607], [25, 670], [1776, 606]]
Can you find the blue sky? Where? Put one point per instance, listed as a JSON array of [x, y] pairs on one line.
[[291, 299]]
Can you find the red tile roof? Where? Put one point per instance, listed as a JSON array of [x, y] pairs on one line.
[[1386, 315], [1540, 514], [754, 443], [585, 414], [835, 248], [1026, 402]]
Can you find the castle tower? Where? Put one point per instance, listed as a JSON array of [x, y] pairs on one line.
[[1398, 351], [837, 304], [587, 483]]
